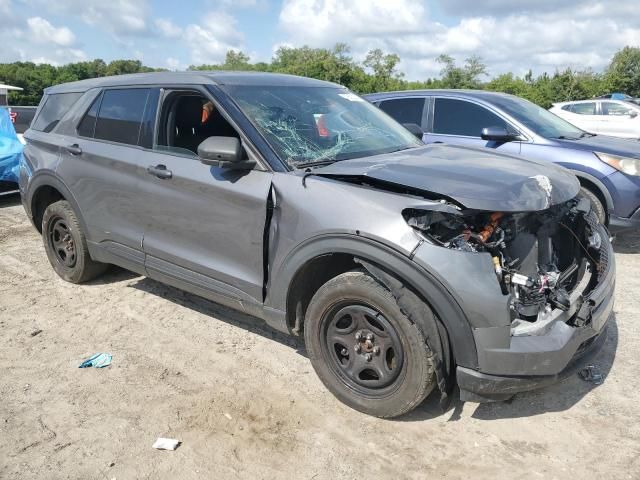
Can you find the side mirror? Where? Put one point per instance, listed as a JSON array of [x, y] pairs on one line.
[[633, 113], [498, 134], [414, 128], [223, 152]]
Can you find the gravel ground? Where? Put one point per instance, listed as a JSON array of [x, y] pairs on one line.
[[245, 401]]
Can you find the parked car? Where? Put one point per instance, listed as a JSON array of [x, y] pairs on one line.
[[608, 168], [10, 153], [605, 117], [21, 118], [406, 267], [620, 96]]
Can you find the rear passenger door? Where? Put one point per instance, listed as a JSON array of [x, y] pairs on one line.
[[102, 165], [460, 122]]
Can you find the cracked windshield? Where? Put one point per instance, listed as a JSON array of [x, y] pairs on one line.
[[318, 125]]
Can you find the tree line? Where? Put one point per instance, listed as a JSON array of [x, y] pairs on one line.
[[377, 72]]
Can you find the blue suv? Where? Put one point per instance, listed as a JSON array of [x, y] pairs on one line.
[[608, 168]]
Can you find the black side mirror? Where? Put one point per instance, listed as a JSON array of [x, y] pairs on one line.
[[498, 134], [414, 128], [224, 152], [633, 113]]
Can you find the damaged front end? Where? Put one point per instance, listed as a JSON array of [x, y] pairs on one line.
[[546, 261], [537, 288]]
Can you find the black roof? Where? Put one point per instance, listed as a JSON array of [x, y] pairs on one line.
[[190, 78]]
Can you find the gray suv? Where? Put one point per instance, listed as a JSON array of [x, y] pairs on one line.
[[407, 268]]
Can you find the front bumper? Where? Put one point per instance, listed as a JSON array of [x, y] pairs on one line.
[[520, 363], [617, 224], [481, 387]]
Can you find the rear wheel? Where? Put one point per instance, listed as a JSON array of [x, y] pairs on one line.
[[596, 204], [365, 349], [66, 245]]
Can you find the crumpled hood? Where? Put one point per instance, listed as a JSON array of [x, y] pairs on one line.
[[625, 147], [475, 178]]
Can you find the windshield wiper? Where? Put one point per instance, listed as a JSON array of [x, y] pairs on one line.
[[563, 137], [316, 163], [587, 134]]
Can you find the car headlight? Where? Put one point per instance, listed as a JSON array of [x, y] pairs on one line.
[[630, 166]]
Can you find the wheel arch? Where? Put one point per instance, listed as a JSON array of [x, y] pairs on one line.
[[321, 258], [597, 187], [44, 190]]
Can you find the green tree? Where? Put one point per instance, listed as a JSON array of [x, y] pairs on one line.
[[623, 74], [468, 76]]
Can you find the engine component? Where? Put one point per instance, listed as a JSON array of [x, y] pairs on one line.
[[535, 262]]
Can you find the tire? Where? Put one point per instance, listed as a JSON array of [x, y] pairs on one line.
[[354, 302], [66, 245], [596, 204]]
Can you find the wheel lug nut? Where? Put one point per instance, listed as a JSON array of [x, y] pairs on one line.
[[358, 336], [376, 350], [369, 336], [344, 352], [358, 348], [368, 357]]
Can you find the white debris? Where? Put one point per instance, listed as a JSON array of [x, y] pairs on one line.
[[166, 444]]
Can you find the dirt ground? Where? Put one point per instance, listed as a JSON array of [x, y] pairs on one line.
[[245, 401]]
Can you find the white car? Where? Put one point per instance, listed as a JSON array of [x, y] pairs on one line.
[[603, 116]]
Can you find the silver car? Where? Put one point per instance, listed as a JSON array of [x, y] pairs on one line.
[[407, 268]]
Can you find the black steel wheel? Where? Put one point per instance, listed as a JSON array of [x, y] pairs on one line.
[[66, 245], [362, 347], [365, 349], [61, 242]]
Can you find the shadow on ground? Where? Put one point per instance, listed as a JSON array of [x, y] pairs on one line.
[[218, 312], [9, 200], [627, 242]]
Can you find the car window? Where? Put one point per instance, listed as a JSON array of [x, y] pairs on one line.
[[459, 117], [54, 108], [568, 107], [87, 125], [404, 110], [120, 115], [617, 109], [186, 120], [588, 108]]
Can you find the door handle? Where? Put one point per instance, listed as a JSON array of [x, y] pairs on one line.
[[74, 149], [159, 171]]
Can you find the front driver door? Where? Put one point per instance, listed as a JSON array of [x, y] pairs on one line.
[[204, 225], [460, 122]]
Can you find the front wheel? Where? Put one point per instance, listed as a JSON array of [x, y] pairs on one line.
[[365, 349], [66, 245], [596, 204]]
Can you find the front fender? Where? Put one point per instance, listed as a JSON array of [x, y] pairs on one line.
[[420, 279]]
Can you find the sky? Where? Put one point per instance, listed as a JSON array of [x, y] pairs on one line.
[[509, 35]]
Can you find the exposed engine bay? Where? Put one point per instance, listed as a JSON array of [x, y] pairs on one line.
[[547, 261]]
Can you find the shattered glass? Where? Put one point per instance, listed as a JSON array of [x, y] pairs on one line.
[[307, 125]]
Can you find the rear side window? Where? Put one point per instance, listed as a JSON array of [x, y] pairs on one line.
[[404, 110], [120, 115], [458, 117], [55, 107], [88, 124], [584, 108]]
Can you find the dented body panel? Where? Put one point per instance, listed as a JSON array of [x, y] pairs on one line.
[[469, 176]]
